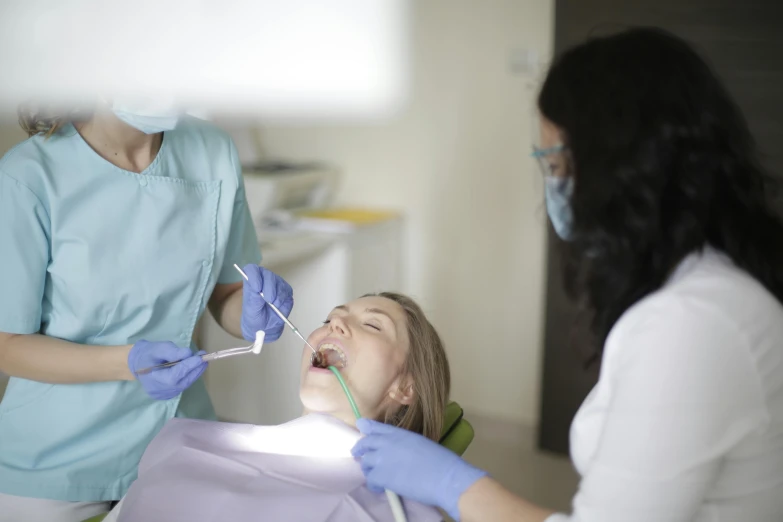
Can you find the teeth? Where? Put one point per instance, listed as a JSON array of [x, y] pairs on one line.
[[330, 346]]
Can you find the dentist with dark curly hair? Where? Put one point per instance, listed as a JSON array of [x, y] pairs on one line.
[[653, 182]]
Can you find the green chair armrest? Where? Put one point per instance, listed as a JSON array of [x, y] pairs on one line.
[[459, 438], [451, 417], [457, 432]]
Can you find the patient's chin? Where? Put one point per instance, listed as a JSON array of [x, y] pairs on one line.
[[316, 399]]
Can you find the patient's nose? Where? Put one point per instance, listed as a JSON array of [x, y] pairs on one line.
[[338, 325]]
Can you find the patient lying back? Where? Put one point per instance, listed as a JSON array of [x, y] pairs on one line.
[[392, 360]]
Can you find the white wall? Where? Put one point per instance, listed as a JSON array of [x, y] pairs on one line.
[[457, 161], [10, 135]]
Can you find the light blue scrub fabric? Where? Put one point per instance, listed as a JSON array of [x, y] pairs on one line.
[[98, 255]]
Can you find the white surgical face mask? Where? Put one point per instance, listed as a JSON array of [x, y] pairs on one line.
[[149, 118]]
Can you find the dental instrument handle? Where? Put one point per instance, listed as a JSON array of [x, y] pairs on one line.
[[284, 319], [170, 364], [149, 369], [207, 357], [278, 312], [398, 512], [219, 355]]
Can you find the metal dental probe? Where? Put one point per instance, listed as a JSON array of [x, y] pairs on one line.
[[278, 312]]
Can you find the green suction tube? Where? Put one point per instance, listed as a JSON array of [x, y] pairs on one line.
[[397, 509], [352, 402]]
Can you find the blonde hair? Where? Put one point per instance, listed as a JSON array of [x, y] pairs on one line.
[[34, 120], [428, 368]]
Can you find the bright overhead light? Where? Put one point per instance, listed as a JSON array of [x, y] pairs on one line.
[[269, 58]]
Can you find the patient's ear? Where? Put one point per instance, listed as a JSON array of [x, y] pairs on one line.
[[403, 392]]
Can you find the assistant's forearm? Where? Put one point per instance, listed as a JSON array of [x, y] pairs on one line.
[[228, 314], [47, 359], [488, 500]]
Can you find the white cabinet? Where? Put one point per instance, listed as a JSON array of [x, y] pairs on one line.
[[325, 270]]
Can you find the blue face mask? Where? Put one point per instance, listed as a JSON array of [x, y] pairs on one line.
[[147, 120], [558, 192]]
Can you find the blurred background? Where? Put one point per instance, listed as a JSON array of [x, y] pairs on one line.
[[386, 146]]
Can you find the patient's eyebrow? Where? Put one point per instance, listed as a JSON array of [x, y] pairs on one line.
[[381, 312], [369, 311]]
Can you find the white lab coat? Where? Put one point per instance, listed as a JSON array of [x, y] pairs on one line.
[[686, 421]]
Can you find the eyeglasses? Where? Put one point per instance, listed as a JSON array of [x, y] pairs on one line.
[[553, 161]]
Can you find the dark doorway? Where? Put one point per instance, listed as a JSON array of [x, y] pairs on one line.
[[744, 42]]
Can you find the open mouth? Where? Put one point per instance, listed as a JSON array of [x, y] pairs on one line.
[[329, 354]]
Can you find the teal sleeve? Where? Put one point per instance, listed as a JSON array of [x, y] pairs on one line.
[[24, 257], [243, 247]]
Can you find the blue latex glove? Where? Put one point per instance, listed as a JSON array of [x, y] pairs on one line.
[[165, 383], [413, 466], [256, 315]]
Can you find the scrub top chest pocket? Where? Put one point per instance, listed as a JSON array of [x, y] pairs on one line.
[[148, 250]]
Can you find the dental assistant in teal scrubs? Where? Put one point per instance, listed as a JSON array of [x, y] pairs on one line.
[[116, 231]]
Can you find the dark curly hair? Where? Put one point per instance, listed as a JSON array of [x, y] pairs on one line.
[[664, 164]]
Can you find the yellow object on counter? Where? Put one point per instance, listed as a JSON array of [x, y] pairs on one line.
[[342, 219], [352, 215]]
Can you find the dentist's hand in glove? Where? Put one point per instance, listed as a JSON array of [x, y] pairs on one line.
[[165, 383], [256, 315], [413, 466]]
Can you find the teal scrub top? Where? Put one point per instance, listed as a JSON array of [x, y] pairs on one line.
[[97, 255]]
